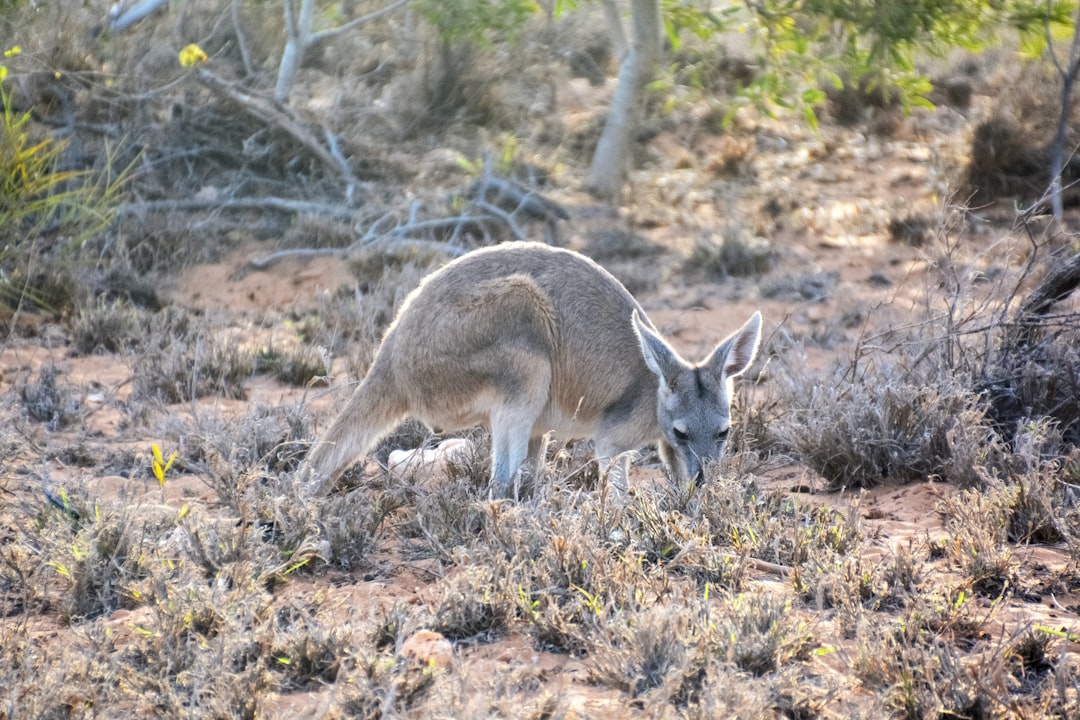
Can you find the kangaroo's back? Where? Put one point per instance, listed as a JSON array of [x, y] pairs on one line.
[[598, 371]]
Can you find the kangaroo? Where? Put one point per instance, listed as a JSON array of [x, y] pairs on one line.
[[525, 338]]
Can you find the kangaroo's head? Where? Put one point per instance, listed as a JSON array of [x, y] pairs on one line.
[[693, 404]]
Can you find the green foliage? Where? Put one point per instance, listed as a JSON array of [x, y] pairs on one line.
[[804, 45], [38, 198], [874, 43], [471, 20], [679, 15]]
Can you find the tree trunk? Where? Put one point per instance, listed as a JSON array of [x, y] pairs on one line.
[[1057, 147], [608, 168], [613, 20], [297, 37]]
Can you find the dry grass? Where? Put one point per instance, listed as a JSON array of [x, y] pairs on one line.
[[655, 595], [230, 595]]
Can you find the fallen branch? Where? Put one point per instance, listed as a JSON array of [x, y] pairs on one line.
[[276, 257], [388, 231], [280, 117], [508, 193], [1058, 284], [121, 16], [506, 217], [766, 566], [265, 203]]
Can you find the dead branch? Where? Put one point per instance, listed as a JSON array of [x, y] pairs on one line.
[[280, 117], [275, 257], [264, 203], [122, 14], [507, 218], [264, 263], [388, 230], [355, 22], [238, 33], [766, 566], [508, 193], [1058, 284]]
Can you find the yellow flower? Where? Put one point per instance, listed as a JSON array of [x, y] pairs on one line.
[[192, 54], [159, 465]]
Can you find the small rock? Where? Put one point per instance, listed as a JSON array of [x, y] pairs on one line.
[[429, 649]]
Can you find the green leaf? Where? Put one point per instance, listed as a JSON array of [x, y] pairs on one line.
[[672, 33]]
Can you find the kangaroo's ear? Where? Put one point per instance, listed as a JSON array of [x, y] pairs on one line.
[[735, 353], [658, 355]]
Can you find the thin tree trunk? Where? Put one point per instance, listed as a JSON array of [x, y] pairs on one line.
[[1057, 148], [613, 20], [608, 168], [297, 36]]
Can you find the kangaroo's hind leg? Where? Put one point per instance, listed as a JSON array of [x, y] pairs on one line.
[[512, 422]]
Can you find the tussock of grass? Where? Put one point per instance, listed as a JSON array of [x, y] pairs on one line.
[[639, 652], [948, 399], [736, 254], [49, 401], [877, 427], [187, 362], [106, 326], [470, 606], [87, 559], [297, 367]]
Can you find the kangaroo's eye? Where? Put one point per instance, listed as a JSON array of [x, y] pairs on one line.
[[722, 435], [680, 435]]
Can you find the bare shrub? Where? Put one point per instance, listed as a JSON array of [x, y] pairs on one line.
[[913, 230], [183, 358], [719, 690], [865, 425], [297, 367], [110, 326], [304, 649], [683, 544], [979, 542], [737, 254], [470, 606], [919, 679], [48, 401], [758, 633], [351, 525], [97, 553], [451, 513], [1010, 154], [921, 669], [1035, 378], [942, 398], [269, 439], [638, 652], [262, 552], [195, 655], [519, 693], [902, 576]]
